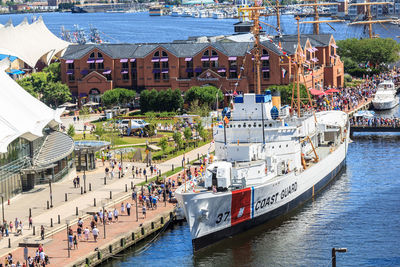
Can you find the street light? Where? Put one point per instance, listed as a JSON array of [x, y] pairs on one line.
[[334, 250], [51, 193], [69, 248], [104, 222], [2, 204]]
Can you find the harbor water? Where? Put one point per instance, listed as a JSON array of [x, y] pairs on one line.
[[360, 210], [141, 28]]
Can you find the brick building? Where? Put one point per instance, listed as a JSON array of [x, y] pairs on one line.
[[91, 69]]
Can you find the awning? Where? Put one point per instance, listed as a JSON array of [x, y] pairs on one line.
[[164, 59], [264, 57], [124, 71], [198, 70], [123, 60], [332, 91], [90, 61], [164, 71], [214, 59], [84, 72], [132, 60], [82, 94], [156, 71], [233, 70], [222, 70], [99, 60], [188, 59], [310, 50], [189, 70], [70, 72], [205, 59], [265, 69], [69, 61], [232, 58], [15, 72], [107, 72], [316, 92], [155, 59], [314, 59], [67, 105]]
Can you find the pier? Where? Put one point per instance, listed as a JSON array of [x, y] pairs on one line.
[[375, 129]]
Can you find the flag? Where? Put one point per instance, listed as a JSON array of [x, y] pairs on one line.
[[283, 72]]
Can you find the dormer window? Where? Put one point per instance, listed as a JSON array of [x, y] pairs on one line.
[[91, 55]]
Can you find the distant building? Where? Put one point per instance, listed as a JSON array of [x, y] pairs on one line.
[[57, 2], [90, 70]]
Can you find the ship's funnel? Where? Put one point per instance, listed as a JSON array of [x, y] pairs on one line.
[[276, 99]]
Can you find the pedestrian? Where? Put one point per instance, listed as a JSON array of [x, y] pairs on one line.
[[137, 172], [75, 242], [70, 237], [79, 232], [42, 232], [116, 214], [144, 172], [112, 174], [86, 233], [80, 222], [95, 233], [122, 208], [144, 211], [77, 181], [74, 181], [110, 217], [128, 208]]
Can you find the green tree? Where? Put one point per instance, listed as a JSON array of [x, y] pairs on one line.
[[117, 96], [145, 101], [71, 130], [177, 136], [54, 71], [99, 131], [205, 95], [187, 133], [163, 144], [56, 93], [176, 100], [375, 51], [153, 100]]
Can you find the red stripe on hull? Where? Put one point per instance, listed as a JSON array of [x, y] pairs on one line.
[[240, 206]]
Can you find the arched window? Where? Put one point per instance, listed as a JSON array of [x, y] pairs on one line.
[[99, 55], [156, 54], [164, 54], [156, 60], [265, 64], [91, 55]]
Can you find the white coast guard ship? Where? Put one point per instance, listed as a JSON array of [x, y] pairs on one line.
[[268, 162]]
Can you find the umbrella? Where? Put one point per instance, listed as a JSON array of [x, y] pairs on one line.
[[316, 92], [91, 103], [67, 105], [332, 91]]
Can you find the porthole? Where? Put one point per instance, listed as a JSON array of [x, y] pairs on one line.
[[239, 126], [249, 126], [272, 147], [259, 125], [270, 125], [280, 146], [255, 125], [287, 145], [265, 125]]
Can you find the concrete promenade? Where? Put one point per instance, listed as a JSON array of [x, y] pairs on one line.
[[37, 201]]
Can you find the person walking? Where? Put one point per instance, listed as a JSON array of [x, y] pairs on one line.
[[95, 233], [128, 208], [75, 242], [122, 208], [30, 222], [86, 233], [70, 238], [42, 232], [144, 211], [116, 215]]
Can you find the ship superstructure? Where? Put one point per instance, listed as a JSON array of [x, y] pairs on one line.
[[269, 159]]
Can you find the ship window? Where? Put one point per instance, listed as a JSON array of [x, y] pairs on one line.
[[249, 126], [270, 125], [287, 145], [244, 125], [265, 125], [272, 147], [280, 146], [255, 125], [259, 125]]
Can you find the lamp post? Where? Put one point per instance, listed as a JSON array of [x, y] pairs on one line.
[[104, 222], [84, 179], [51, 193], [69, 248], [334, 250], [2, 204]]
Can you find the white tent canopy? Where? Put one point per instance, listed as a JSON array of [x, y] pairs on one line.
[[21, 115], [30, 42]]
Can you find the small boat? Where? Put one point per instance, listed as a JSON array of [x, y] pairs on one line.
[[385, 97], [218, 15]]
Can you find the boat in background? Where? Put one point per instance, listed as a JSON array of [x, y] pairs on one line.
[[385, 97]]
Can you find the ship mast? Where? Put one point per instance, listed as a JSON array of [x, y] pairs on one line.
[[367, 4], [316, 21]]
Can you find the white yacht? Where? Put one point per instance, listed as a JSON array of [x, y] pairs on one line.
[[385, 97], [218, 15]]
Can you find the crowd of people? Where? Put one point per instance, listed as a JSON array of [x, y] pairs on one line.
[[375, 122], [40, 259]]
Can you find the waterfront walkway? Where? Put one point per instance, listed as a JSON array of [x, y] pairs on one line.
[[37, 201]]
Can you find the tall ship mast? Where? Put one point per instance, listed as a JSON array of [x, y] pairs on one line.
[[368, 20], [269, 158]]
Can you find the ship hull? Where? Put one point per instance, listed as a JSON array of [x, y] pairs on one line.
[[215, 216], [385, 105], [204, 241]]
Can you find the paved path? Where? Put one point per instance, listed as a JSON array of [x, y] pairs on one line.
[[37, 199], [79, 126]]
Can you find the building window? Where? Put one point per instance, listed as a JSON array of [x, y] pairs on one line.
[[100, 66], [165, 76], [125, 65], [134, 75], [157, 76], [99, 55], [92, 66], [133, 65], [125, 76], [71, 66], [71, 77], [109, 77], [206, 59], [189, 69], [233, 69], [265, 65], [91, 55], [156, 65], [214, 59]]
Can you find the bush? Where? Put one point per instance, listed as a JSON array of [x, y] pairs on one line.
[[71, 130], [347, 78]]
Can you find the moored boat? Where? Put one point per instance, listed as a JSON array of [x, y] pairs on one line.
[[385, 97]]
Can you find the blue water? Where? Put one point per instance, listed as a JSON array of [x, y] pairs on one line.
[[140, 27], [359, 211]]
